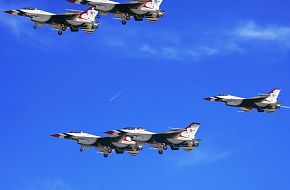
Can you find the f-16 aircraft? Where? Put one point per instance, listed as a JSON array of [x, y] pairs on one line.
[[262, 102], [105, 145], [175, 138], [140, 9], [73, 19]]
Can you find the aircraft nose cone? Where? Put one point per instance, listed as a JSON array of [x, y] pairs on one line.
[[56, 135], [109, 132], [9, 12], [208, 99]]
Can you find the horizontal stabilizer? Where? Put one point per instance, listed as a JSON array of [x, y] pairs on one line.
[[246, 109]]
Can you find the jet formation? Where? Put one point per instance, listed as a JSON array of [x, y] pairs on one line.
[[132, 140], [75, 19]]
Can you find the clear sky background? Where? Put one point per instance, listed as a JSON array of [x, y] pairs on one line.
[[146, 75]]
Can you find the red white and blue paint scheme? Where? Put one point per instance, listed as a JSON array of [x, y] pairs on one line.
[[105, 145], [262, 102], [175, 138], [74, 19], [139, 9]]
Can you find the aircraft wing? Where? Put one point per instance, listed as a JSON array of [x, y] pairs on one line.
[[65, 16], [134, 2], [75, 136], [163, 136], [106, 141], [108, 3], [45, 16], [172, 132], [85, 139], [40, 16], [88, 139], [257, 98]]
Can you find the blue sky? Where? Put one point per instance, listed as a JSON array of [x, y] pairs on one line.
[[148, 75]]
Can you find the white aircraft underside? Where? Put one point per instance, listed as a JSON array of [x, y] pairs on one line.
[[106, 7], [141, 138], [234, 102], [86, 141]]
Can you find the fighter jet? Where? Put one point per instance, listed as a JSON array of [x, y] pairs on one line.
[[175, 138], [261, 102], [73, 19], [140, 9], [105, 145]]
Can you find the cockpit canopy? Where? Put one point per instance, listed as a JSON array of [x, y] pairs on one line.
[[29, 8], [134, 128], [224, 95], [76, 132]]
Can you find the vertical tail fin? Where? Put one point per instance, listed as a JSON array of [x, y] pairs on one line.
[[158, 3], [273, 95], [152, 4], [190, 131], [88, 15]]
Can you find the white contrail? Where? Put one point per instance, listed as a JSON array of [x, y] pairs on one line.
[[287, 107], [117, 95]]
